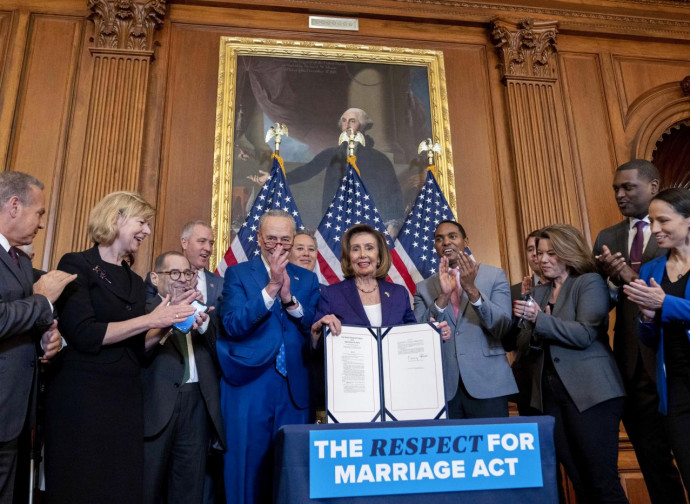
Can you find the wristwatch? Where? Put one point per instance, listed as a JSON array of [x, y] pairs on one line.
[[291, 303]]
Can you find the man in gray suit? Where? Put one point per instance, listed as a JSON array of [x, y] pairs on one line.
[[620, 250], [27, 327], [475, 301], [182, 416]]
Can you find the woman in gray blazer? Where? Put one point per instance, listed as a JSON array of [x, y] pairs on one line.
[[574, 376]]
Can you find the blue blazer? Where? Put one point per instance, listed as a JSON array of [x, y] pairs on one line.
[[254, 335], [674, 309], [342, 300]]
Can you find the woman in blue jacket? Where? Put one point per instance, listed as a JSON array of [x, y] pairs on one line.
[[663, 295]]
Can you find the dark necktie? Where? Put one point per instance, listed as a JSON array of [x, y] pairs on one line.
[[637, 246], [182, 341], [14, 255]]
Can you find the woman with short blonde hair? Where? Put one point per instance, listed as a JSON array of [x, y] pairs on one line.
[[94, 401]]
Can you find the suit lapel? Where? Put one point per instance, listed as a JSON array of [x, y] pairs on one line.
[[13, 268], [386, 293], [93, 257], [562, 295], [354, 301], [651, 250], [622, 239], [211, 287]]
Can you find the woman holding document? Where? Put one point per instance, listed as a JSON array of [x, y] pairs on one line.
[[574, 376], [364, 298]]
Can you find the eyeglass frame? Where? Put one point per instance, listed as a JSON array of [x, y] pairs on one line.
[[188, 274], [273, 240]]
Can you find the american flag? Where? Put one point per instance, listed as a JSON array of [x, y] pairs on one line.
[[351, 205], [275, 194], [414, 254]]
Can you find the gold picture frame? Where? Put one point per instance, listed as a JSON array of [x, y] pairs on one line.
[[227, 115]]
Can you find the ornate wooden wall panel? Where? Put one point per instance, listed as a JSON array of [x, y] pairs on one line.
[[13, 60], [583, 88], [546, 186], [186, 180], [114, 131], [476, 159], [44, 107], [636, 76], [5, 33]]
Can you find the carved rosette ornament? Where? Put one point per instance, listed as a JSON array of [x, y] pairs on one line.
[[526, 48], [126, 24]]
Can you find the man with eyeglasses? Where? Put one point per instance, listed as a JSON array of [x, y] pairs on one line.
[[196, 241], [182, 416], [267, 310]]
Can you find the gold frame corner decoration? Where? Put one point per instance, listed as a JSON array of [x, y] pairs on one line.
[[232, 47]]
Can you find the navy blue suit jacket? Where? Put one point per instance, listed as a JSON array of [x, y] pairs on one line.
[[254, 335], [342, 300]]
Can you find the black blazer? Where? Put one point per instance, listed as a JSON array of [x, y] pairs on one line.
[[23, 318], [90, 303], [161, 376], [626, 346]]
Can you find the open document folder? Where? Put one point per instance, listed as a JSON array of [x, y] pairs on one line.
[[381, 374]]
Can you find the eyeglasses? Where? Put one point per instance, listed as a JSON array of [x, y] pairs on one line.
[[270, 241], [175, 274]]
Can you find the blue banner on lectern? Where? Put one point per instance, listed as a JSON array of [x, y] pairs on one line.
[[408, 460]]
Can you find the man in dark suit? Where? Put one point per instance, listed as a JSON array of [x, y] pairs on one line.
[[267, 311], [181, 396], [475, 301], [521, 372], [196, 240], [27, 327], [620, 250]]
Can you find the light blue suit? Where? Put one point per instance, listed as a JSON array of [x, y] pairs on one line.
[[474, 351], [256, 400]]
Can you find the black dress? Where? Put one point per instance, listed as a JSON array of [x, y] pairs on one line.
[[94, 420]]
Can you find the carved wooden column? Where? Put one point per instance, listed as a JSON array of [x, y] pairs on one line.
[[122, 53], [543, 166]]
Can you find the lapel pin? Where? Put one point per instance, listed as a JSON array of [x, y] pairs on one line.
[[387, 295], [296, 278]]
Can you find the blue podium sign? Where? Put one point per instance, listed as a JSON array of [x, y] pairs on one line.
[[409, 460]]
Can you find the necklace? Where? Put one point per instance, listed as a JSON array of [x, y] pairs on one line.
[[679, 269], [376, 286]]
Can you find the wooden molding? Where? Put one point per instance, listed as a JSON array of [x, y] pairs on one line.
[[126, 24], [526, 48], [543, 168]]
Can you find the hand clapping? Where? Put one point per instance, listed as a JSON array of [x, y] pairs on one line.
[[649, 298]]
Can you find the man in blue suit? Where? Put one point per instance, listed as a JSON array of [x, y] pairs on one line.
[[267, 310]]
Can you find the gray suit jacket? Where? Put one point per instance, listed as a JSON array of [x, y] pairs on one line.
[[474, 351], [626, 346], [23, 317], [161, 377], [576, 332]]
